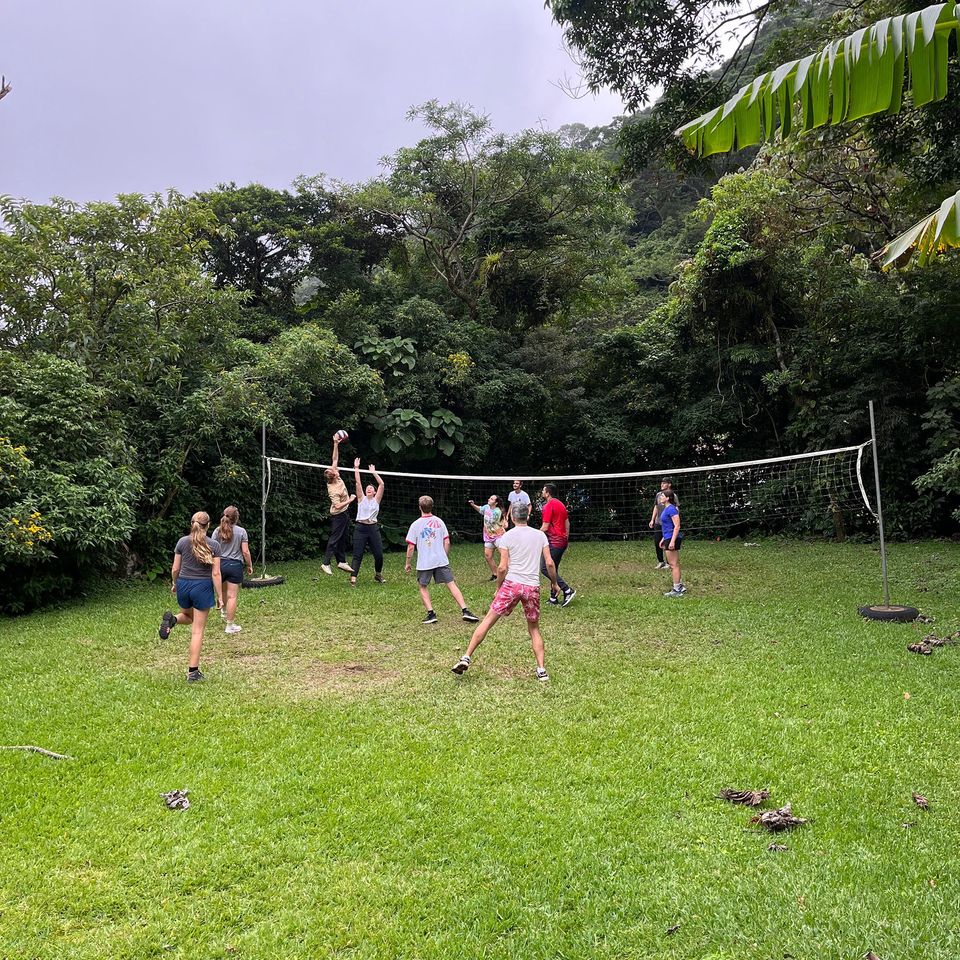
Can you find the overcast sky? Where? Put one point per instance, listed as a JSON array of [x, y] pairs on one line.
[[114, 96]]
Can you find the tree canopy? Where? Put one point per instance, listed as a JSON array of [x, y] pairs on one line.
[[542, 302]]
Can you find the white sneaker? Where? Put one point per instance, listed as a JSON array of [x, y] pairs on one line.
[[325, 567], [232, 628], [675, 593], [542, 675], [345, 567]]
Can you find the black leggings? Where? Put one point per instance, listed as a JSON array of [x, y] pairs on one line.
[[657, 537], [338, 537], [364, 534]]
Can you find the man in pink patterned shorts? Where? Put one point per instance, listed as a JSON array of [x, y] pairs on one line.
[[518, 581]]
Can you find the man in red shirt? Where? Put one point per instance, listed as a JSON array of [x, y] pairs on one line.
[[556, 525]]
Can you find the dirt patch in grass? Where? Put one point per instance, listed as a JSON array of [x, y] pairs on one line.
[[314, 677]]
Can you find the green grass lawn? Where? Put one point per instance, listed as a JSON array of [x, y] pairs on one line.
[[353, 799]]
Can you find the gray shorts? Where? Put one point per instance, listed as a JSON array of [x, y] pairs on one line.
[[439, 575]]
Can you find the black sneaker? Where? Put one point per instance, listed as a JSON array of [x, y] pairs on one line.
[[167, 622], [492, 576], [554, 599], [431, 617], [567, 597], [378, 578], [461, 666], [470, 617], [195, 676]]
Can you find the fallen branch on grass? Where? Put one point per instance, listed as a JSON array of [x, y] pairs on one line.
[[749, 798], [46, 753]]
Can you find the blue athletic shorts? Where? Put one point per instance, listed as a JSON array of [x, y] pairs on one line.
[[197, 594], [231, 571]]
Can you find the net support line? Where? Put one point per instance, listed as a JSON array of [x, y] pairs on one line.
[[863, 489]]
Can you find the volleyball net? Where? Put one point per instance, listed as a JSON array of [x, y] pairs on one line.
[[821, 492]]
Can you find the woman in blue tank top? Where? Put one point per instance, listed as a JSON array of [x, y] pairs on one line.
[[671, 541]]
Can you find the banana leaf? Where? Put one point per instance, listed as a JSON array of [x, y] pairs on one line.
[[928, 238], [859, 75]]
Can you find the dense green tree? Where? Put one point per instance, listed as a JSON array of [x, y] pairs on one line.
[[68, 485], [519, 228], [292, 252]]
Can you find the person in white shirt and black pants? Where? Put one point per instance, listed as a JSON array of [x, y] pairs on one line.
[[367, 530]]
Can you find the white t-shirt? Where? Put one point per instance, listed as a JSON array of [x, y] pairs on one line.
[[368, 509], [518, 496], [428, 535], [526, 548]]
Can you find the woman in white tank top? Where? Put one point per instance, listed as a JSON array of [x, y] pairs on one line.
[[367, 530]]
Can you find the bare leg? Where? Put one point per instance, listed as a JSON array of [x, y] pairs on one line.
[[457, 595], [232, 590], [536, 641], [488, 556], [196, 636], [673, 558], [425, 597], [482, 629]]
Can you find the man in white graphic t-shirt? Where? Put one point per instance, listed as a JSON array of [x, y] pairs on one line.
[[518, 581], [429, 537], [516, 495]]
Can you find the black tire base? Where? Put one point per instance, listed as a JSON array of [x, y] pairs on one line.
[[894, 613], [254, 583]]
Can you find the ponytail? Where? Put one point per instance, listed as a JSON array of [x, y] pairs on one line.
[[230, 516], [198, 537]]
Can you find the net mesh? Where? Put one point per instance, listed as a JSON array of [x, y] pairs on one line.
[[819, 492]]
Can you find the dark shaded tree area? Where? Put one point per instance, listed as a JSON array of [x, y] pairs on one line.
[[544, 302]]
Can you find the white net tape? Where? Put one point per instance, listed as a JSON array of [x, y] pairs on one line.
[[821, 491]]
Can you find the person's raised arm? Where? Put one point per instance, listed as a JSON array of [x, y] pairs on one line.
[[356, 477], [335, 456], [475, 507], [380, 484]]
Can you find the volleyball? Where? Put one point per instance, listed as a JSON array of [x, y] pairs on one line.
[[341, 435]]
